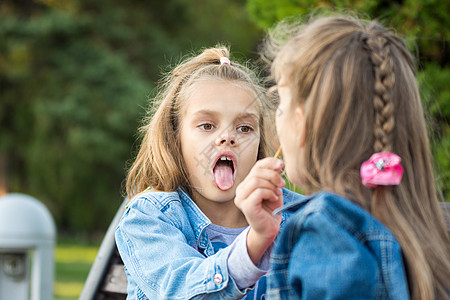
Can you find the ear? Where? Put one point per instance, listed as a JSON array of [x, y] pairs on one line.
[[300, 116]]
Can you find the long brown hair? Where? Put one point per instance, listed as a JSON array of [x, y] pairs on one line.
[[159, 163], [356, 82]]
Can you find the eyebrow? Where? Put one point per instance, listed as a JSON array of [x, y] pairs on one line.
[[205, 112], [212, 113], [252, 116]]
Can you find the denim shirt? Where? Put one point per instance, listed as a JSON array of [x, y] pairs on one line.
[[331, 248], [167, 254]]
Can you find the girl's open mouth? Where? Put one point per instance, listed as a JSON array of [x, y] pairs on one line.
[[224, 170]]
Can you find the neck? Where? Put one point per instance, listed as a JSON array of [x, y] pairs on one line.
[[224, 214]]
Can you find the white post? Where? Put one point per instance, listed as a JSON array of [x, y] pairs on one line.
[[13, 274], [27, 241]]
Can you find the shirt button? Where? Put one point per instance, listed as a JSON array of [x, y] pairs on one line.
[[218, 278]]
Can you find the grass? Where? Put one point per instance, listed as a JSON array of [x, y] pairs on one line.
[[72, 262]]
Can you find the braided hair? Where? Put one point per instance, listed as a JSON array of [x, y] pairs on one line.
[[380, 56], [355, 81]]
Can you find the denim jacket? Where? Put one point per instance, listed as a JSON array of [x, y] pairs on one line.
[[331, 248], [167, 254]]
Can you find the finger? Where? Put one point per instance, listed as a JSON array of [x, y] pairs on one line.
[[258, 197], [260, 211], [274, 182], [246, 194], [270, 163], [270, 206], [268, 174]]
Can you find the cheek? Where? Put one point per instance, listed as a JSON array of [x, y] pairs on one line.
[[248, 157], [283, 125], [250, 148], [290, 142], [278, 114]]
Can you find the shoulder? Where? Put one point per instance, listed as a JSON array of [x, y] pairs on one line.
[[153, 198], [167, 205], [153, 209], [341, 213], [328, 230], [175, 207]]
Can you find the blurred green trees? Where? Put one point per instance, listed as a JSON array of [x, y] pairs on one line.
[[76, 76], [425, 26], [75, 79]]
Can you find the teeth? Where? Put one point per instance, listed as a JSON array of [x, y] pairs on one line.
[[225, 158]]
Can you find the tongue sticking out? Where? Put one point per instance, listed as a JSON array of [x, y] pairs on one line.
[[223, 176]]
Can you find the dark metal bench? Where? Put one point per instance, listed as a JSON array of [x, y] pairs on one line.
[[107, 279]]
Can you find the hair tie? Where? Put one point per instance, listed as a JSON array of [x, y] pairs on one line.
[[224, 60], [383, 168]]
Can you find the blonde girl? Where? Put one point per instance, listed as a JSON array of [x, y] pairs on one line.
[[182, 236], [353, 134]]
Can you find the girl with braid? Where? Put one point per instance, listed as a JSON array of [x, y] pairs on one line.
[[353, 134]]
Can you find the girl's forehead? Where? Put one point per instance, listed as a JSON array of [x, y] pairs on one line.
[[221, 96]]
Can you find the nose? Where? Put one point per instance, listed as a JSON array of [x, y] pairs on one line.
[[226, 138]]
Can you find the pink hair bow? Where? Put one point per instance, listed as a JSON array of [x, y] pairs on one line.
[[383, 168]]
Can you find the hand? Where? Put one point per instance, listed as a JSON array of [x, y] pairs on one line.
[[257, 197]]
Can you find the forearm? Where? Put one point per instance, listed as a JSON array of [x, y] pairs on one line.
[[242, 269], [257, 245]]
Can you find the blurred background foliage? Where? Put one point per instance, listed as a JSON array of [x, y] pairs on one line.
[[425, 25], [76, 76]]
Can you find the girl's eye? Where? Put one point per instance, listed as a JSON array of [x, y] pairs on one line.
[[245, 129], [206, 126]]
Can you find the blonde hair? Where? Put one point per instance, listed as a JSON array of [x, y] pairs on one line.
[[159, 163], [356, 83]]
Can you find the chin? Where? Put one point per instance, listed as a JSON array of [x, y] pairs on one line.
[[294, 177], [224, 196]]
